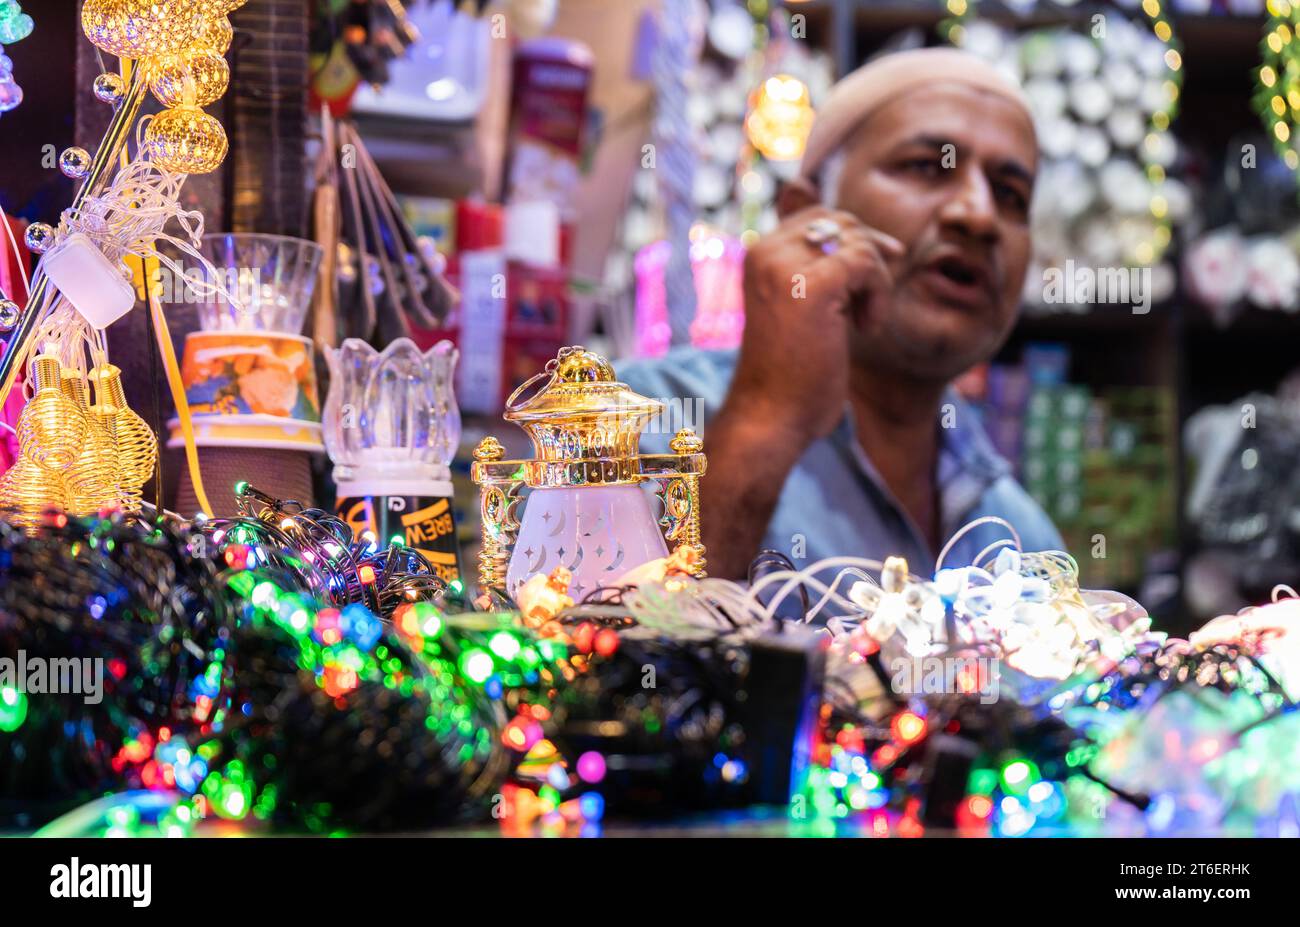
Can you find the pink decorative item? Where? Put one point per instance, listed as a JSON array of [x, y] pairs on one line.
[[718, 262]]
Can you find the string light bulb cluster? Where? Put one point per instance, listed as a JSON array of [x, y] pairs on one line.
[[78, 456], [1149, 251]]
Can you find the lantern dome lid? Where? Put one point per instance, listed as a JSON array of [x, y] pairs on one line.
[[582, 417], [582, 386]]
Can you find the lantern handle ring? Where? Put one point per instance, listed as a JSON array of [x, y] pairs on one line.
[[512, 404]]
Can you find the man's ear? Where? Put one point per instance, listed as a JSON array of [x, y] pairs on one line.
[[795, 195]]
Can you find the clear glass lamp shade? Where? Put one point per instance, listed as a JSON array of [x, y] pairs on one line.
[[271, 277], [391, 412], [597, 532]]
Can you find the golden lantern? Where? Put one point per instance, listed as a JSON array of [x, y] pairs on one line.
[[50, 428], [586, 509], [186, 140], [137, 447], [198, 77]]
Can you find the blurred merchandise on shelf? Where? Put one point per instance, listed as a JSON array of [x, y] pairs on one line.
[[1099, 460], [718, 262], [1226, 271], [1103, 109], [385, 277], [1244, 503], [443, 75], [354, 42], [552, 81], [735, 183]]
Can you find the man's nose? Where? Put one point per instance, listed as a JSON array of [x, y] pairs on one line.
[[973, 207]]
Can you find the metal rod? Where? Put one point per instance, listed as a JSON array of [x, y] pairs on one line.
[[119, 132]]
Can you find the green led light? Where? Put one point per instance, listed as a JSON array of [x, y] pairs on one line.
[[477, 665], [13, 709], [264, 595], [982, 782], [505, 645], [1018, 776]]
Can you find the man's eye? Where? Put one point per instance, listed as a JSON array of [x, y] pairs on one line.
[[1013, 198], [925, 167]]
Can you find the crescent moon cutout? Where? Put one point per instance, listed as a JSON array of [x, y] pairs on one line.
[[599, 526], [577, 558], [617, 561], [537, 567], [559, 526]]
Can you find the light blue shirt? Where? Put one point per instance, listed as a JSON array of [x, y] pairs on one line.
[[834, 502]]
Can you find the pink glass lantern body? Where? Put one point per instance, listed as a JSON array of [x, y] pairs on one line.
[[718, 266], [598, 533]]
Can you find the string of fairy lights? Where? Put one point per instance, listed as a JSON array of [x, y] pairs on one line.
[[1277, 88]]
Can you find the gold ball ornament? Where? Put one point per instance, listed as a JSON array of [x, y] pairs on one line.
[[10, 314], [50, 428], [194, 78], [142, 28], [29, 490], [186, 140], [218, 36]]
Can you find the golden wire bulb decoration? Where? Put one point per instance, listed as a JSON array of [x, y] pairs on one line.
[[186, 140], [29, 490], [137, 447], [93, 479], [50, 428], [198, 77]]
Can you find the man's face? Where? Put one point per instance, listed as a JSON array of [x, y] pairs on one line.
[[948, 170]]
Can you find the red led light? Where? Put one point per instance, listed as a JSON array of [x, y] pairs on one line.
[[908, 727]]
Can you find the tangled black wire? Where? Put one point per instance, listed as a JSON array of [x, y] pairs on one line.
[[315, 551], [117, 599]]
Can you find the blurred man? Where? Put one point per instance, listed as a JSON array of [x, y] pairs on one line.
[[897, 266]]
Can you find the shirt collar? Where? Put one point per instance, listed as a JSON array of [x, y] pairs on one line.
[[968, 464]]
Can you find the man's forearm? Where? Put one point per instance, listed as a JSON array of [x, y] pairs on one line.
[[750, 456]]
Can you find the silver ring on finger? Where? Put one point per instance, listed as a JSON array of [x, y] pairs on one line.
[[824, 234]]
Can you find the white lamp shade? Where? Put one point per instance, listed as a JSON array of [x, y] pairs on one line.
[[598, 533]]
